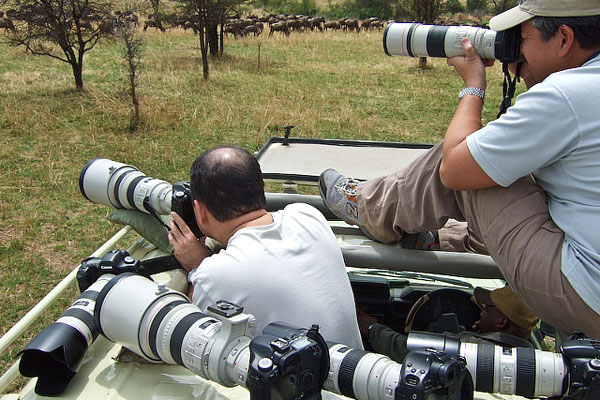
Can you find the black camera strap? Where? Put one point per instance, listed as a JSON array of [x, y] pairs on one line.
[[160, 264], [154, 213], [508, 87]]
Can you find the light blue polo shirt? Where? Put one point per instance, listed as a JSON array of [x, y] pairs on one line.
[[553, 132]]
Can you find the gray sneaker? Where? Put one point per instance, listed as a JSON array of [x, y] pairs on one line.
[[339, 195]]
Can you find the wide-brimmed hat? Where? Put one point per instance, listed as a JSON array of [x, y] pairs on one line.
[[505, 300], [528, 9]]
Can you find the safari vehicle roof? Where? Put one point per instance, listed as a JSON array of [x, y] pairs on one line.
[[107, 374]]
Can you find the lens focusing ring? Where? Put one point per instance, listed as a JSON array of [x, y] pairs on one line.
[[117, 186], [84, 317], [346, 372], [131, 190], [179, 333], [436, 38], [409, 39], [485, 368], [156, 324], [525, 385]]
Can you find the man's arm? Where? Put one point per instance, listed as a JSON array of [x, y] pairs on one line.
[[459, 170], [188, 250]]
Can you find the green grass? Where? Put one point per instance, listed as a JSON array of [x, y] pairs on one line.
[[329, 85]]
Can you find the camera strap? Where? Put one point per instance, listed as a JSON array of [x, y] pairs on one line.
[[160, 264], [508, 87], [154, 213]]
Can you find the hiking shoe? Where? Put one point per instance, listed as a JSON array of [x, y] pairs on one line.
[[339, 195], [429, 240]]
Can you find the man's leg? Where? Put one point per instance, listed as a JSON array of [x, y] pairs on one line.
[[513, 223], [412, 200]]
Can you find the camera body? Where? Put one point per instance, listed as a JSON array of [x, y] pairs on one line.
[[428, 373], [114, 262], [287, 363], [182, 204], [584, 370]]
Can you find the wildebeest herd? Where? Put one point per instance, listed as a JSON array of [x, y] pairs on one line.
[[244, 26], [287, 24]]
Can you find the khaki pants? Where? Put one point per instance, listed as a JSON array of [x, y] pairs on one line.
[[513, 223]]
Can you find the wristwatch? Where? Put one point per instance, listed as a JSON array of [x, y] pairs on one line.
[[472, 90]]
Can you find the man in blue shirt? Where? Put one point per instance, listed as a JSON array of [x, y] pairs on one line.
[[528, 184]]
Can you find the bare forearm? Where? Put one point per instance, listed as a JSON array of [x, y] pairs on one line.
[[466, 120]]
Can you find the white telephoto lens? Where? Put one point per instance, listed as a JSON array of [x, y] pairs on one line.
[[122, 305], [418, 40], [97, 179]]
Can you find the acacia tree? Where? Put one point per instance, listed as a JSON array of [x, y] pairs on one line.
[[426, 12], [205, 16], [62, 29]]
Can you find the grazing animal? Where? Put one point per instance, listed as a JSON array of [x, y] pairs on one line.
[[280, 26]]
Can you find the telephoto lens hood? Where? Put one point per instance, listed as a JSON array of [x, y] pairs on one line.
[[56, 353]]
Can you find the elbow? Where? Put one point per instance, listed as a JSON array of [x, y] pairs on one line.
[[446, 176]]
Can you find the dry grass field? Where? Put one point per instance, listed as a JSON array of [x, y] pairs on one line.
[[329, 85]]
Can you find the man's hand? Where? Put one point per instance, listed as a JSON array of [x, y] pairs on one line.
[[188, 250], [471, 67], [364, 321]]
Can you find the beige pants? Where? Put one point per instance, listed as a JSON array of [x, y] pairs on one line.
[[513, 223]]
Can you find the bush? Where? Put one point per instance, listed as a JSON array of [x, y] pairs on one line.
[[503, 5], [454, 6], [473, 5], [361, 9]]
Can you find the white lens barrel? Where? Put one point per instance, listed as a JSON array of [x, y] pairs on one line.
[[482, 40], [97, 178], [123, 304], [418, 40], [119, 185], [361, 375], [515, 370], [549, 368], [161, 325]]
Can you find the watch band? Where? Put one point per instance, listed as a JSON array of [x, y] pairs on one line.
[[472, 90]]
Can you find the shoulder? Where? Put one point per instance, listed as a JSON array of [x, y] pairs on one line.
[[303, 210]]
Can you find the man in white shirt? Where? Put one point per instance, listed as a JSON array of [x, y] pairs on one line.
[[282, 266]]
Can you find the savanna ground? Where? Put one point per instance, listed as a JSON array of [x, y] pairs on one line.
[[329, 85]]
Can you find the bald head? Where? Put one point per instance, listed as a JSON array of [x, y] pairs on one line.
[[228, 181]]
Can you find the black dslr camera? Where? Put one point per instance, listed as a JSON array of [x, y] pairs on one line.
[[584, 370], [287, 363], [114, 262], [181, 203], [429, 374]]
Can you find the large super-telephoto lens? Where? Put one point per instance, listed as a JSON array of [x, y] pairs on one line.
[[120, 185], [161, 324], [418, 40]]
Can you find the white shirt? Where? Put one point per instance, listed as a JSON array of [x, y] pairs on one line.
[[291, 270]]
